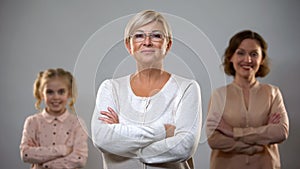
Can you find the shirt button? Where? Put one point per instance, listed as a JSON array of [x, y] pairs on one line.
[[54, 133], [54, 124], [55, 118], [53, 143], [46, 166], [26, 155], [67, 133]]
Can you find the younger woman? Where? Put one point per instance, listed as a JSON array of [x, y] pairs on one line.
[[246, 119], [54, 138]]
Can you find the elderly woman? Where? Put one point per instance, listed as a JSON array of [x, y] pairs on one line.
[[246, 119], [151, 118]]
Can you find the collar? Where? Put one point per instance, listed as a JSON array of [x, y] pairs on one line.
[[49, 118]]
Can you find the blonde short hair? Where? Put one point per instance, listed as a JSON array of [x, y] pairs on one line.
[[143, 18]]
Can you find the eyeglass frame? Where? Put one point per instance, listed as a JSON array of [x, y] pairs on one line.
[[150, 35]]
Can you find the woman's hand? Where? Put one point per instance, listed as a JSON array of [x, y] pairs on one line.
[[111, 116], [69, 149], [225, 128], [274, 118], [217, 122], [170, 130]]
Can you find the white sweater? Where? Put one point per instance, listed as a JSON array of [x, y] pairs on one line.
[[138, 141]]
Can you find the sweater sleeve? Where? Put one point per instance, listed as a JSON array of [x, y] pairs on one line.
[[78, 157], [184, 143], [270, 133], [119, 139], [31, 151]]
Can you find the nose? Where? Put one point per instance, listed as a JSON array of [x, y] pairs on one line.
[[248, 58], [147, 41], [55, 95]]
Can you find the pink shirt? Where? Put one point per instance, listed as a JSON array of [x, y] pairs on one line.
[[46, 138], [255, 142]]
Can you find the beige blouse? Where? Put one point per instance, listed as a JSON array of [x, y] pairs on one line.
[[255, 142]]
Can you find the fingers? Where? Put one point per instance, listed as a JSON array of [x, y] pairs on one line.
[[31, 144], [216, 122], [170, 130], [69, 150], [274, 118], [110, 116], [107, 114], [212, 124], [213, 120], [113, 113], [107, 120]]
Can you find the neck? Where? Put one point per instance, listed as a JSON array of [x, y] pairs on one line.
[[146, 67], [56, 113], [245, 83], [149, 74], [148, 82]]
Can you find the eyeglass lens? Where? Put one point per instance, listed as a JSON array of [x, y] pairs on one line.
[[154, 36]]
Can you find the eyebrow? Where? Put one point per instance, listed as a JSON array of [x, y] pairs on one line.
[[245, 49], [57, 89], [148, 32]]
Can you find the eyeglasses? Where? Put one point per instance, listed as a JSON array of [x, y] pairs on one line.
[[155, 36]]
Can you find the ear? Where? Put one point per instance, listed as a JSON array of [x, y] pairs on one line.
[[42, 95], [70, 93], [230, 60], [128, 45], [169, 45], [262, 61]]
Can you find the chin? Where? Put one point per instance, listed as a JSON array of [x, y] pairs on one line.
[[57, 111]]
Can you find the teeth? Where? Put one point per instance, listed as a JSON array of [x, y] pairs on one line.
[[247, 67], [56, 103]]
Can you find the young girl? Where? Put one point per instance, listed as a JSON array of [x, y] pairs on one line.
[[54, 138]]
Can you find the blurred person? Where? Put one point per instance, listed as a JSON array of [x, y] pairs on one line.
[[246, 119], [54, 137]]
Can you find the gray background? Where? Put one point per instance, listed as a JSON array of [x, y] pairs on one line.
[[36, 35]]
